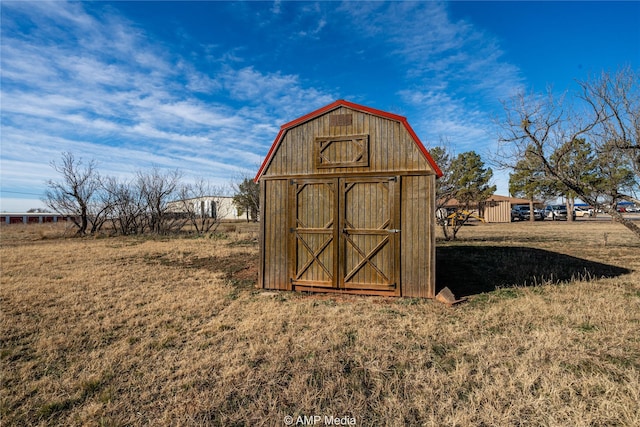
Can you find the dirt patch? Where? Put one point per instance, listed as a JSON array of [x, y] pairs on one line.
[[240, 269]]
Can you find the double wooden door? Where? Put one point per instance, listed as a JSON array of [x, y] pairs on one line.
[[344, 233]]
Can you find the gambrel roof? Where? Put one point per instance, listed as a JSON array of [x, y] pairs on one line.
[[342, 103]]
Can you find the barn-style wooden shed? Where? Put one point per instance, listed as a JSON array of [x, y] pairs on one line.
[[348, 205]]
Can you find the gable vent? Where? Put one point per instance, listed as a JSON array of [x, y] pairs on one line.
[[341, 120]]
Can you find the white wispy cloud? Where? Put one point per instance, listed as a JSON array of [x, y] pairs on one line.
[[82, 78], [95, 85], [276, 8], [455, 72], [451, 67]]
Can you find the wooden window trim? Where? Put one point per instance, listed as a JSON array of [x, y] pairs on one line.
[[323, 142]]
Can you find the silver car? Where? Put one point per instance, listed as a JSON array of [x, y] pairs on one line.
[[556, 212]]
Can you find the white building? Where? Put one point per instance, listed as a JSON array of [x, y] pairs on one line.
[[219, 207]]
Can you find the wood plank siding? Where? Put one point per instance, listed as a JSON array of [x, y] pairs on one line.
[[497, 211], [295, 158], [275, 231], [348, 200], [418, 236]]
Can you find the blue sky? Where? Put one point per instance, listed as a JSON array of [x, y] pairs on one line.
[[205, 86]]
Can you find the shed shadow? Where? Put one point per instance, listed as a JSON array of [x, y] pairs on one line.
[[470, 270]]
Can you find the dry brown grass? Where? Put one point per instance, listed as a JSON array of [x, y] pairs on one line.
[[140, 331]]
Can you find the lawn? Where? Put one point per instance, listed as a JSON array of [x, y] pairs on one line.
[[171, 331]]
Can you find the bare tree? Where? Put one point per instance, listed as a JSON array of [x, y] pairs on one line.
[[98, 212], [615, 101], [158, 188], [546, 130], [445, 186], [73, 194], [204, 205], [127, 207], [464, 179]]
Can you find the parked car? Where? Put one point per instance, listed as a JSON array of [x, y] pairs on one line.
[[582, 212], [517, 213], [521, 213], [557, 212], [538, 214]]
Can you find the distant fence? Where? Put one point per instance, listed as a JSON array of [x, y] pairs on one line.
[[34, 218]]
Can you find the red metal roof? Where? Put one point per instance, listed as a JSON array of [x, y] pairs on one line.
[[342, 103]]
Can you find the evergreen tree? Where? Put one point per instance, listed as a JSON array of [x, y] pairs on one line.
[[528, 181], [471, 179], [247, 198]]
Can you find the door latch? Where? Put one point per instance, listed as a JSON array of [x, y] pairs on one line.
[[393, 230]]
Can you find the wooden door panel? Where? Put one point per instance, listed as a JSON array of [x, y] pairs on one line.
[[367, 260], [343, 233], [314, 257], [313, 253], [368, 238], [367, 205]]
